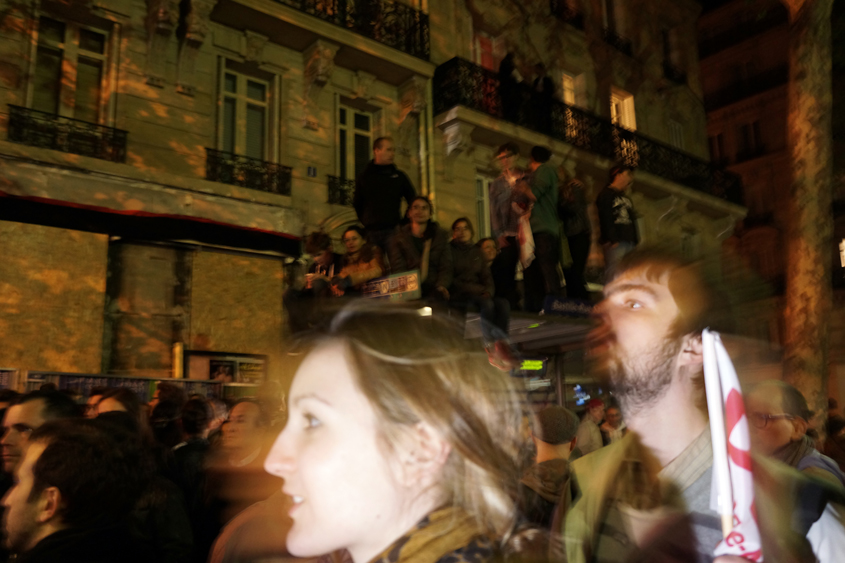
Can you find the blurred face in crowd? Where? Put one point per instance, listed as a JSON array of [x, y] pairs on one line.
[[344, 491], [764, 407], [19, 422], [506, 160], [597, 413], [623, 180], [385, 153], [614, 417], [353, 242], [324, 258], [22, 519], [242, 431], [91, 406], [462, 232], [110, 404], [632, 344], [419, 212], [488, 249]]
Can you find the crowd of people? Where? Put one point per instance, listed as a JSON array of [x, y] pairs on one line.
[[400, 444], [540, 226]]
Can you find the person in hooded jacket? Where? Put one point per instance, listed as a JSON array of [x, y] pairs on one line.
[[472, 286], [421, 244], [379, 191]]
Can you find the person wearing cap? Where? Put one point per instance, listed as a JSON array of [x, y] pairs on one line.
[[589, 433], [545, 484], [617, 221]]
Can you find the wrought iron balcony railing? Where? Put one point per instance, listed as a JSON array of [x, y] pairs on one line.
[[390, 22], [51, 131], [619, 42], [673, 73], [461, 83], [565, 12], [753, 85], [228, 168], [341, 191]]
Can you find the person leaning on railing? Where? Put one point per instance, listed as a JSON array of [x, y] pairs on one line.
[[361, 263]]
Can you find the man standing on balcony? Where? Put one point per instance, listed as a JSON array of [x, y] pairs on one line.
[[541, 277], [504, 222], [617, 220], [379, 191]]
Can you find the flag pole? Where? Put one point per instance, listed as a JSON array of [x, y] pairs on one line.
[[715, 408]]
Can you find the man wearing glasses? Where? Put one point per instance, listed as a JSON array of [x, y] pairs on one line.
[[778, 416]]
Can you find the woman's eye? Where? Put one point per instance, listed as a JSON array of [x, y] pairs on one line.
[[634, 304], [311, 421]]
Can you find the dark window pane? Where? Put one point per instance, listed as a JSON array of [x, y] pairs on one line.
[[51, 30], [362, 122], [48, 79], [89, 75], [362, 153], [92, 41], [255, 131], [229, 125], [230, 83], [256, 91], [343, 155], [342, 116]]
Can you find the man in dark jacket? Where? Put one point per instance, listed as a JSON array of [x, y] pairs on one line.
[[379, 191], [617, 221], [545, 484]]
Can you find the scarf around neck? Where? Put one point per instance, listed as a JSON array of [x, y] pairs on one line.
[[445, 532], [795, 451]]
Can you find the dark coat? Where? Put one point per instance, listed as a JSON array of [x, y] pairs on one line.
[[616, 217], [471, 274], [542, 488], [404, 256], [100, 545], [379, 191]]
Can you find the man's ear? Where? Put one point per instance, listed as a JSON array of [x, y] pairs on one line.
[[424, 453], [572, 443], [799, 428], [49, 504], [691, 351]]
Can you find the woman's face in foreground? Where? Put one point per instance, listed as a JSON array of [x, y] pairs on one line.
[[345, 494]]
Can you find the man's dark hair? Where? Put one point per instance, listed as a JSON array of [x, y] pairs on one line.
[[510, 147], [196, 416], [378, 142], [617, 170], [701, 301], [464, 220], [9, 396], [793, 401], [317, 243], [263, 416], [99, 470], [540, 154], [126, 397], [56, 404], [164, 421], [172, 392]]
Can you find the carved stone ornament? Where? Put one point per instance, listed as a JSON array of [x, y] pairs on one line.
[[197, 28], [318, 63], [253, 49], [412, 95], [363, 85], [457, 138], [162, 19]]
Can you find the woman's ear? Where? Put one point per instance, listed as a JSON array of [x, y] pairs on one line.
[[424, 453]]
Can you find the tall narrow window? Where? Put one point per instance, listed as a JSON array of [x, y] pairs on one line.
[[622, 109], [70, 68], [482, 207], [608, 13], [245, 102], [355, 141], [717, 148], [568, 89], [676, 134], [485, 50]]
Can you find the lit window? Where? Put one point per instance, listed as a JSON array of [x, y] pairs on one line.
[[568, 89], [486, 50], [70, 69], [622, 109]]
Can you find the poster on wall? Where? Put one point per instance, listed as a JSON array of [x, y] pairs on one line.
[[222, 370], [250, 372]]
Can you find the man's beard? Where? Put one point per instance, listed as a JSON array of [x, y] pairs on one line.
[[639, 382]]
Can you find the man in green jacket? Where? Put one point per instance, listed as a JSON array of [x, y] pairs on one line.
[[541, 277]]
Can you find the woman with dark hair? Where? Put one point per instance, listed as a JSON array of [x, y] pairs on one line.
[[472, 286], [361, 263], [421, 244]]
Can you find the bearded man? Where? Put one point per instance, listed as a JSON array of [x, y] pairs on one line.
[[647, 497]]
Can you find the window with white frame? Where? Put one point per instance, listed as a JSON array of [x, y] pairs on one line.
[[568, 83], [482, 207], [245, 104], [622, 109], [355, 141], [486, 50], [69, 78], [676, 134]]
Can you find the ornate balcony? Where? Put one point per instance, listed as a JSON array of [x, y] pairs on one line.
[[389, 22], [50, 131], [564, 11], [673, 73], [460, 83], [341, 191], [618, 42], [228, 168]]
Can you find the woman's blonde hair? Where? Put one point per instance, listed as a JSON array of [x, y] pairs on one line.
[[415, 368]]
